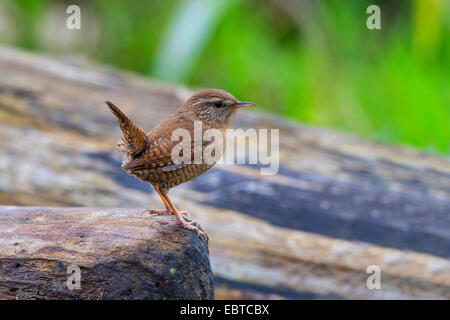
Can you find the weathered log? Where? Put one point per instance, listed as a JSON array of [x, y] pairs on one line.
[[117, 253], [337, 205]]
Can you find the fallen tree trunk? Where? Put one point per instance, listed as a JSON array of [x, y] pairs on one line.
[[90, 253], [338, 204]]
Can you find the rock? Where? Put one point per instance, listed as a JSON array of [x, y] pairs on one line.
[[119, 255]]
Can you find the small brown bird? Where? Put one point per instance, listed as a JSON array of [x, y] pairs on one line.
[[149, 156]]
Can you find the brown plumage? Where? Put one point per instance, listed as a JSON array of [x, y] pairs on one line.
[[148, 156]]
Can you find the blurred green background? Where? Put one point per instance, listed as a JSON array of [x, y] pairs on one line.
[[315, 61]]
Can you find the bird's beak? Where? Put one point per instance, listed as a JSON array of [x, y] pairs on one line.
[[242, 104]]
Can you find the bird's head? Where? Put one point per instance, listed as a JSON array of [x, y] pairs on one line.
[[214, 105]]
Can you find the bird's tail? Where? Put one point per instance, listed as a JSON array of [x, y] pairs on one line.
[[134, 140]]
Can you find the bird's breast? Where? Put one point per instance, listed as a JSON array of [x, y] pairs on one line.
[[173, 177]]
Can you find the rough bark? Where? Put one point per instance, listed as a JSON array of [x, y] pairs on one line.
[[337, 205], [121, 255]]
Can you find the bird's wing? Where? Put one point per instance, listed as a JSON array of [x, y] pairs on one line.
[[134, 139], [159, 155]]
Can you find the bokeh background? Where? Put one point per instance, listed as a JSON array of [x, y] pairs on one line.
[[315, 61]]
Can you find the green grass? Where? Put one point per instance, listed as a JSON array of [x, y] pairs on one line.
[[320, 64]]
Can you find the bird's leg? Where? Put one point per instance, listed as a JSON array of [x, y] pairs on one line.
[[180, 220], [166, 210], [158, 211]]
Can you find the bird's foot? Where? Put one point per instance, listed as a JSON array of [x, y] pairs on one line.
[[156, 211], [192, 225], [185, 214], [165, 211]]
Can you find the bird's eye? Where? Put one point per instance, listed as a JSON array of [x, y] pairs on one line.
[[218, 103]]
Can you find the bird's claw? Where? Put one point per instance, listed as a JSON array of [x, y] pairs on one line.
[[165, 211], [192, 225], [155, 211], [185, 214]]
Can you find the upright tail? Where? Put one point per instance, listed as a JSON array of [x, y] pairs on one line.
[[134, 139]]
